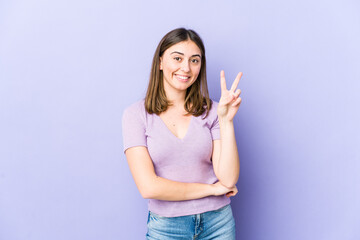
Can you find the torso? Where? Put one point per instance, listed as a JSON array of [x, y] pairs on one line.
[[186, 159]]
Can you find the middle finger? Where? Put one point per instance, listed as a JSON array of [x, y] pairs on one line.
[[236, 82]]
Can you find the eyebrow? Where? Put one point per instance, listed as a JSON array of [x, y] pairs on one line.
[[195, 55]]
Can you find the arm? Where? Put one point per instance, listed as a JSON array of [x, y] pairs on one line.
[[154, 187], [225, 154]]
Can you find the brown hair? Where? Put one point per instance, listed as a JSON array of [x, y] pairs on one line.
[[197, 99]]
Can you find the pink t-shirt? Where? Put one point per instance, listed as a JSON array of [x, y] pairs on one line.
[[182, 160]]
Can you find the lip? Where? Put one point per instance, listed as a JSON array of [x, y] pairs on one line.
[[182, 78]]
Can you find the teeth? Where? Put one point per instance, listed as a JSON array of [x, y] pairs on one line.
[[182, 77]]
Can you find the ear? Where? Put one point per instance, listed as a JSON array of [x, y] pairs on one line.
[[161, 68]]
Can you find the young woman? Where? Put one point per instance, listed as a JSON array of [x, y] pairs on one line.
[[180, 145]]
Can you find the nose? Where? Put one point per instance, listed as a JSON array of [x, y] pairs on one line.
[[185, 66]]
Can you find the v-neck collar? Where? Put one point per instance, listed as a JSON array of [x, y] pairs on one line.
[[171, 133]]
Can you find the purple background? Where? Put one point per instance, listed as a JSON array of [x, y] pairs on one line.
[[69, 68]]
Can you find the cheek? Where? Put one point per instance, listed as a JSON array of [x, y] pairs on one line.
[[169, 67], [196, 70]]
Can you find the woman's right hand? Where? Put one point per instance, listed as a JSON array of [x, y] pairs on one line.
[[220, 189]]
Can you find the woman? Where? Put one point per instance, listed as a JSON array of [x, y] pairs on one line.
[[180, 145]]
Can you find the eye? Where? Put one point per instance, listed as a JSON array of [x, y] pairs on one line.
[[195, 61], [177, 59]]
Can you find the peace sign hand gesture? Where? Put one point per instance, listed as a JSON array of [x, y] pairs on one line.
[[230, 101]]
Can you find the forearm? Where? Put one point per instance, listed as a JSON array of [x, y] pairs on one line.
[[152, 186], [228, 166], [168, 190]]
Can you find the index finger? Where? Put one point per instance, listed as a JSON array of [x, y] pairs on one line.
[[236, 82], [222, 81]]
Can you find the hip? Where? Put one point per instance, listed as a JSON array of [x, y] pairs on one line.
[[216, 224]]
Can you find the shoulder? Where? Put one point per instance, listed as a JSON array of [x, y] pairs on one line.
[[136, 109], [214, 105], [213, 111], [211, 117]]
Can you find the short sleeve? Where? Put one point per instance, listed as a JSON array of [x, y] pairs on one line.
[[215, 127], [133, 127]]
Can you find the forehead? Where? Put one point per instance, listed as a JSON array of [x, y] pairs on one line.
[[186, 47]]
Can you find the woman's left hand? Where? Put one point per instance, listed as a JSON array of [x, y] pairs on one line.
[[230, 101]]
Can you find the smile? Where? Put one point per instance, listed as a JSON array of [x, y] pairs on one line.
[[182, 77]]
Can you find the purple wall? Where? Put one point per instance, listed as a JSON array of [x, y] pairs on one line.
[[68, 69]]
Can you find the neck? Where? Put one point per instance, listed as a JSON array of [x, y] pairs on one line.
[[177, 98], [177, 101]]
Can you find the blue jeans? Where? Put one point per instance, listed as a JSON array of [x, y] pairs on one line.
[[218, 224]]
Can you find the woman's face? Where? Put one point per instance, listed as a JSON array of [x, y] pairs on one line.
[[181, 64]]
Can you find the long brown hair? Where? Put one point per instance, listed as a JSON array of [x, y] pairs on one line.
[[197, 99]]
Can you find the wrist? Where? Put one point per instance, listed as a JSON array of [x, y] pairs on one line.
[[212, 190], [225, 120]]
